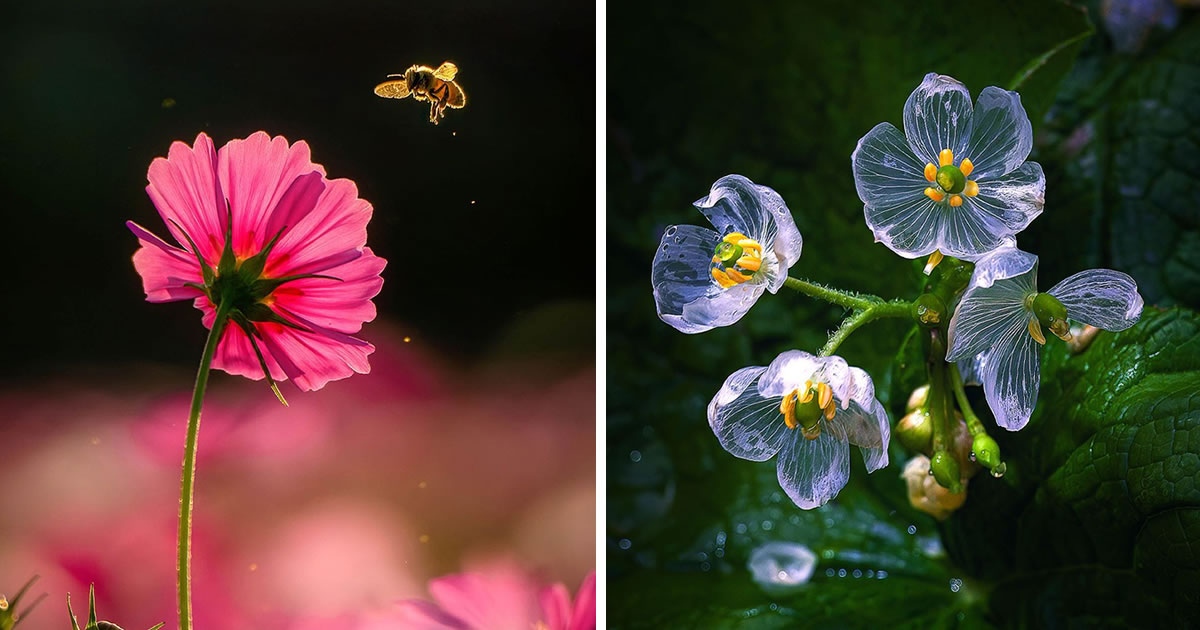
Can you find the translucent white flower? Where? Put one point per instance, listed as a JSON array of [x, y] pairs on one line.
[[956, 181], [807, 410], [703, 278], [997, 328]]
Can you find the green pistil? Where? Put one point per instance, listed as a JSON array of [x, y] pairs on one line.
[[951, 179], [728, 253]]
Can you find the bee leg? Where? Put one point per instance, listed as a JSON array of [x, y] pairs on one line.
[[433, 112]]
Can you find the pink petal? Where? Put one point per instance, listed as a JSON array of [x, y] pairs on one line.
[[235, 355], [499, 601], [314, 358], [341, 306], [164, 269], [185, 189], [584, 617], [419, 615], [556, 606], [256, 174], [332, 234]]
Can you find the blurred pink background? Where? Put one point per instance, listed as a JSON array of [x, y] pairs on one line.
[[319, 515]]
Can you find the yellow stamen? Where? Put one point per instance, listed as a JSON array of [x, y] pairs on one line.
[[935, 194], [734, 237], [787, 407], [955, 200], [966, 167], [1035, 331], [829, 411], [749, 263], [722, 279], [1061, 329], [930, 171], [808, 393], [824, 395], [750, 244], [946, 157], [737, 277], [971, 189], [934, 260]]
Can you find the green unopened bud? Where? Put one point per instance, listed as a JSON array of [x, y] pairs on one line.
[[945, 471], [929, 310], [915, 431], [728, 253], [917, 398], [1052, 314], [951, 179], [985, 451]]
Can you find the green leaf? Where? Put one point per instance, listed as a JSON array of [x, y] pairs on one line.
[[1122, 190], [1101, 510]]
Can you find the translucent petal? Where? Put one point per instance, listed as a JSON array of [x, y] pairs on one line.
[[937, 115], [993, 303], [971, 370], [1101, 297], [736, 204], [909, 227], [684, 292], [861, 388], [748, 425], [1003, 207], [812, 472], [886, 173], [867, 426], [1011, 375], [791, 369], [1001, 135]]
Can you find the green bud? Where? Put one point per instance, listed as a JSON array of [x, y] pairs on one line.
[[929, 310], [917, 398], [728, 253], [915, 431], [951, 179], [946, 472], [986, 451]]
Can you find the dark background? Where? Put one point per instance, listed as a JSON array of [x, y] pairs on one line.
[[82, 115]]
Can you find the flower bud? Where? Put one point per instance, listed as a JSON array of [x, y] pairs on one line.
[[925, 494], [946, 471], [986, 451], [915, 431], [917, 398]]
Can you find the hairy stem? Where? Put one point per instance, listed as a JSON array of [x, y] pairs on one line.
[[876, 310], [187, 487], [829, 294]]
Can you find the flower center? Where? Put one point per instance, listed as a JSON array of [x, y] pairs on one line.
[[803, 407], [735, 260], [950, 180], [1048, 312]]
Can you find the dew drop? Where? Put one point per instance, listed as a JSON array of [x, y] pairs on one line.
[[780, 567], [972, 455], [857, 574], [721, 537], [767, 526], [636, 456], [624, 543], [881, 574], [841, 573], [829, 572], [912, 529], [741, 528], [955, 585], [672, 230], [664, 247]]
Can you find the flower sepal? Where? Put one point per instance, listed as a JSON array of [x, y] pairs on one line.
[[10, 617], [985, 451], [92, 623]]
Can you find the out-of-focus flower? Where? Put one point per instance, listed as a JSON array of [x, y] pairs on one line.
[[263, 232], [758, 410], [500, 598], [956, 181], [1128, 22], [926, 494], [999, 324], [703, 278]]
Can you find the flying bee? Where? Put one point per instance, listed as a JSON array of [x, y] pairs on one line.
[[426, 84]]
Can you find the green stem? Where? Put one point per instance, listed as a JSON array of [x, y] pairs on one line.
[[974, 425], [829, 294], [877, 310], [937, 393], [187, 487]]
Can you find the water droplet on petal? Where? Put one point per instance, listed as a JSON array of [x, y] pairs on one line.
[[672, 230]]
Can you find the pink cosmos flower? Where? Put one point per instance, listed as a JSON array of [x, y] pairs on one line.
[[503, 598], [258, 224]]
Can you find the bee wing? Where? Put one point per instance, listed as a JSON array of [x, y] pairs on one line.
[[446, 71], [397, 88], [456, 99]]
